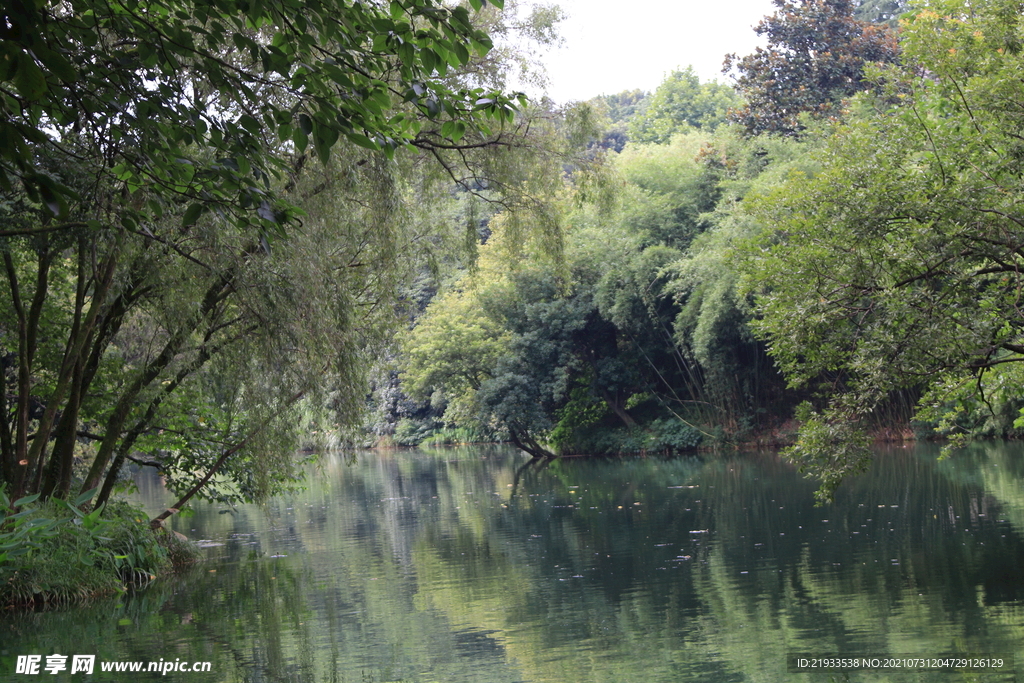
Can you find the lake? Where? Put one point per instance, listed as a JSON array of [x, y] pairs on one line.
[[472, 565]]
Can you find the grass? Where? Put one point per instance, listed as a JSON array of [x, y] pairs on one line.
[[73, 556]]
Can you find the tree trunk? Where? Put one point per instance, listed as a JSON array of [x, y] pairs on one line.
[[6, 437], [72, 356], [616, 407], [21, 464], [57, 480], [523, 441], [122, 410]]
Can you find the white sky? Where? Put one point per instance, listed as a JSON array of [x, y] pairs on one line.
[[616, 45]]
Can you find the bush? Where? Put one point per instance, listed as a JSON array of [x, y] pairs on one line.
[[660, 436], [67, 555], [456, 435], [412, 432]]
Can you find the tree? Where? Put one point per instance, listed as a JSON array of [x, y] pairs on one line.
[[682, 103], [815, 58], [184, 276], [199, 102], [881, 11], [453, 350], [618, 111], [176, 349], [898, 265], [669, 190], [713, 327], [585, 334]]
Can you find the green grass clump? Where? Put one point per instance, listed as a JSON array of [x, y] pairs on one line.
[[67, 555]]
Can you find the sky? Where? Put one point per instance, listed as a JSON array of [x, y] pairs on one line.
[[615, 45]]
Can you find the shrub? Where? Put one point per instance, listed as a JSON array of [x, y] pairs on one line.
[[53, 553]]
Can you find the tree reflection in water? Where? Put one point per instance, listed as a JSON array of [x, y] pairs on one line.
[[464, 565]]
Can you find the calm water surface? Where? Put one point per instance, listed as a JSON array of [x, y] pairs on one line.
[[466, 566]]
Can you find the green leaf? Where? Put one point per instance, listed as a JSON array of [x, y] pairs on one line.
[[56, 63], [429, 59], [71, 508], [92, 520], [250, 124], [29, 79], [458, 131], [363, 141], [324, 138], [244, 168], [86, 496], [300, 139], [191, 215], [27, 500]]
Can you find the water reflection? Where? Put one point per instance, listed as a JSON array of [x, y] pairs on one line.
[[463, 565]]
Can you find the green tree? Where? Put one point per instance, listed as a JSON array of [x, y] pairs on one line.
[[881, 11], [898, 264], [201, 102], [668, 191], [453, 350], [713, 325], [587, 331], [157, 307], [682, 103], [618, 111], [815, 58]]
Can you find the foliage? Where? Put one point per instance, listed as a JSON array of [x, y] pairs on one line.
[[881, 11], [670, 187], [78, 555], [897, 265], [532, 379], [666, 436], [167, 316], [453, 347], [831, 447], [201, 101], [168, 355], [642, 330], [580, 413], [815, 58], [682, 103], [450, 436], [588, 340], [618, 111], [20, 533], [898, 259], [742, 388]]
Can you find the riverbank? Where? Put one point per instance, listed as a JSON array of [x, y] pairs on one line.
[[53, 554], [664, 437]]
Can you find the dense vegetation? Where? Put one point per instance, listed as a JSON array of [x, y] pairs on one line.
[[207, 214], [841, 246], [218, 225]]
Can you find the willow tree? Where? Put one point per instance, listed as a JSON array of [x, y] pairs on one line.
[[204, 211]]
